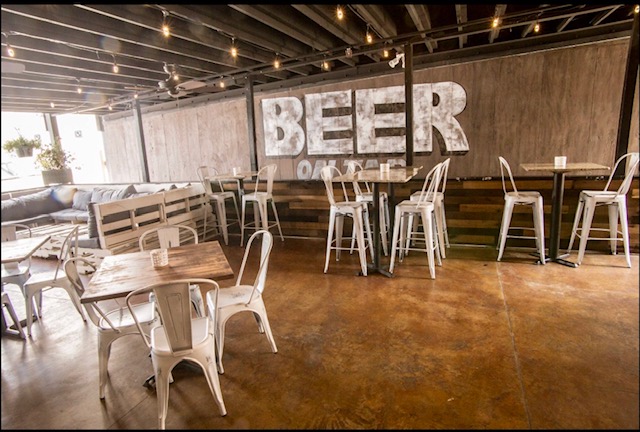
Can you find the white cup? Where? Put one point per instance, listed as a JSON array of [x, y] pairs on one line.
[[560, 161], [159, 258], [384, 167]]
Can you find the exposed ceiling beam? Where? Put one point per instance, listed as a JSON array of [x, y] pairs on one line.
[[461, 18], [287, 24], [325, 17], [377, 18], [603, 15], [500, 10], [565, 22], [419, 13]]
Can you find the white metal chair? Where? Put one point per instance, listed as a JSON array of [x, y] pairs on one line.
[[15, 273], [354, 166], [260, 200], [168, 236], [616, 202], [243, 297], [519, 198], [438, 202], [113, 323], [45, 280], [6, 303], [218, 198], [180, 337], [423, 208], [358, 211]]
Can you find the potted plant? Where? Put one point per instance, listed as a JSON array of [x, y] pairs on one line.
[[21, 146], [54, 161]]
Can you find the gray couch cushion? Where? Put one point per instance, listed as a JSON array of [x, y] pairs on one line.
[[70, 215], [29, 206], [100, 195], [81, 199], [84, 241]]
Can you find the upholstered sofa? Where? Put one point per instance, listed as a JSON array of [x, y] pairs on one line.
[[112, 217]]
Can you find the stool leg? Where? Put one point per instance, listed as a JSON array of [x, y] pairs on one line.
[[394, 241], [613, 227], [504, 227], [625, 227], [589, 210], [576, 224], [332, 218]]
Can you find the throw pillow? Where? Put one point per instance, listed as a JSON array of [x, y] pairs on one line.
[[81, 199]]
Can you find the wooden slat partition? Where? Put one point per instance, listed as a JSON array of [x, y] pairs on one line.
[[473, 207]]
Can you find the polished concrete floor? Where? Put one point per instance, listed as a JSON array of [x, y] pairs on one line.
[[486, 345]]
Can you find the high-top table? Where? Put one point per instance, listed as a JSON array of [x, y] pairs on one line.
[[375, 176], [556, 201]]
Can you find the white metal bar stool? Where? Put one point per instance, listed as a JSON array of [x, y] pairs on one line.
[[260, 200], [616, 202], [357, 210], [512, 199]]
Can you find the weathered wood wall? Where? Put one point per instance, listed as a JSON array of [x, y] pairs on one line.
[[526, 108]]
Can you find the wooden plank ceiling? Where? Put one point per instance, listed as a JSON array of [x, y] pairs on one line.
[[60, 48]]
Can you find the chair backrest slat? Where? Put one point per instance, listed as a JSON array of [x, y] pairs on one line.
[[504, 166], [631, 159], [430, 185]]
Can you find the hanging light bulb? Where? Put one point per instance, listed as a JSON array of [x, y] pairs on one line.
[[276, 62], [135, 96], [325, 65], [52, 105], [165, 26], [495, 22], [385, 53], [234, 50], [339, 13], [636, 9], [10, 51], [110, 107], [369, 36], [78, 89], [221, 83], [536, 28]]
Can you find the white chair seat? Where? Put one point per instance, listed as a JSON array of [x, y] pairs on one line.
[[199, 332], [236, 294], [121, 318]]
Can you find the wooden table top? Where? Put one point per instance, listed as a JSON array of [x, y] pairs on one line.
[[239, 176], [21, 249], [118, 275], [570, 166], [395, 175]]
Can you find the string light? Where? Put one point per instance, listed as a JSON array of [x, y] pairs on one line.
[[536, 28], [10, 51], [340, 13], [115, 67], [495, 23], [165, 26], [276, 62], [369, 37], [234, 50]]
